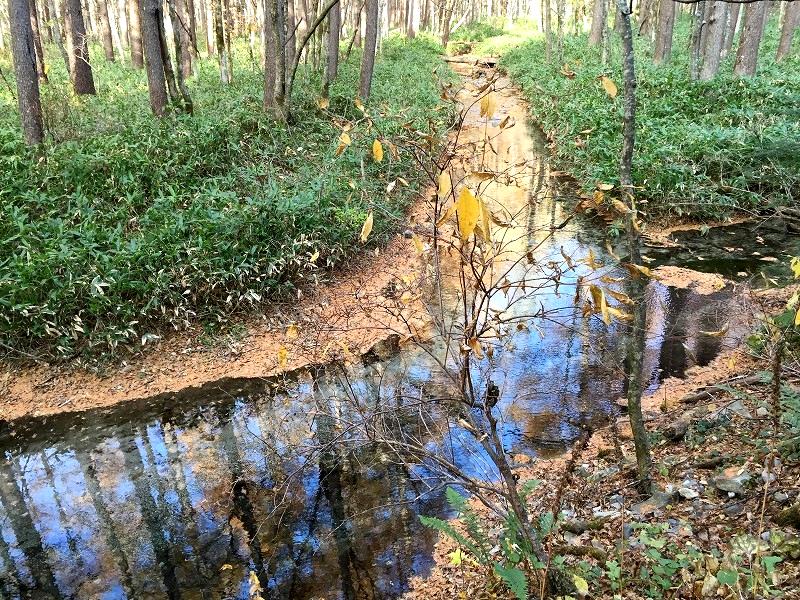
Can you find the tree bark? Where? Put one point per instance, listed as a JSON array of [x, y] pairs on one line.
[[182, 40], [730, 28], [755, 15], [791, 20], [105, 30], [219, 42], [368, 58], [636, 342], [698, 24], [413, 18], [154, 60], [41, 72], [666, 26], [80, 69], [715, 34], [599, 20], [135, 32], [332, 62], [24, 53]]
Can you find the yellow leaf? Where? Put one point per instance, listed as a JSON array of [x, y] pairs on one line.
[[359, 105], [581, 585], [716, 334], [340, 148], [226, 567], [797, 319], [482, 228], [447, 214], [323, 103], [366, 228], [620, 297], [590, 260], [476, 347], [292, 332], [731, 362], [605, 187], [456, 557], [482, 175], [345, 139], [795, 264], [599, 301], [418, 246], [609, 86], [445, 184], [488, 106], [618, 314], [314, 257], [283, 357], [637, 270], [469, 211], [377, 151]]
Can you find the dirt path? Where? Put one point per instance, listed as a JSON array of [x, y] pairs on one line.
[[345, 317]]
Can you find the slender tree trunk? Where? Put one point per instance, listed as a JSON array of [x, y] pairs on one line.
[[135, 32], [169, 72], [45, 14], [698, 25], [41, 71], [105, 30], [80, 69], [647, 17], [548, 30], [368, 58], [116, 35], [715, 34], [599, 21], [332, 62], [122, 22], [666, 26], [228, 29], [154, 60], [755, 15], [24, 53], [291, 38], [219, 42], [639, 325], [270, 53], [413, 18], [791, 21], [182, 40], [730, 28]]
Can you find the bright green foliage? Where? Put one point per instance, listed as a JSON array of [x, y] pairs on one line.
[[703, 149], [127, 224]]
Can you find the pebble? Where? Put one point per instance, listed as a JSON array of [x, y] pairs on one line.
[[781, 497], [688, 493]]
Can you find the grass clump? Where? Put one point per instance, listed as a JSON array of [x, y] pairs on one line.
[[124, 225], [703, 149]]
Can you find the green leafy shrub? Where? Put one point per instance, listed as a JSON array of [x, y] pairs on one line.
[[703, 149], [123, 225]]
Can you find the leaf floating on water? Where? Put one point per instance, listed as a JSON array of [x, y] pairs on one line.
[[488, 105], [445, 184], [283, 357], [716, 334], [366, 228], [637, 271], [609, 86], [570, 262], [469, 212], [377, 151], [620, 297]]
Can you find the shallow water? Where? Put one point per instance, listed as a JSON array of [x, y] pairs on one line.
[[197, 496]]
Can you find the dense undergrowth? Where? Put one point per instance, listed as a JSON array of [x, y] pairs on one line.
[[703, 149], [122, 225]]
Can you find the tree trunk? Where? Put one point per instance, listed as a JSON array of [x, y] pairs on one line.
[[291, 39], [116, 34], [791, 20], [548, 28], [80, 69], [182, 41], [24, 53], [151, 38], [58, 37], [666, 25], [647, 17], [715, 34], [332, 62], [135, 32], [755, 15], [413, 18], [41, 72], [698, 24], [368, 58], [122, 22], [219, 42], [599, 20], [270, 53], [45, 14], [730, 28], [638, 328], [105, 29]]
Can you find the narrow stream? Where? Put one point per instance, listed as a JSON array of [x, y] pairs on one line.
[[180, 497]]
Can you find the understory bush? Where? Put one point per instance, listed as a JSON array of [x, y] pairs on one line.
[[122, 225], [703, 149]]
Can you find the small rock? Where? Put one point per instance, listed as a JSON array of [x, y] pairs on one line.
[[734, 510], [604, 474], [781, 497], [731, 480], [761, 411], [676, 430], [737, 408], [688, 493], [655, 502]]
